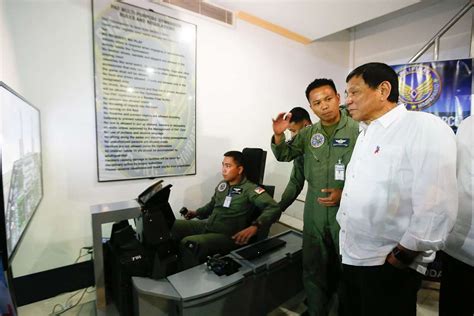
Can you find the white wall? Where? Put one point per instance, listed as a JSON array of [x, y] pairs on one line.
[[245, 75], [396, 38], [7, 57]]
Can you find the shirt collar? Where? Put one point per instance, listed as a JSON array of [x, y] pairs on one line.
[[242, 181], [391, 116], [342, 122]]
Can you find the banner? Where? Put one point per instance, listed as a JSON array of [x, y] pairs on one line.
[[443, 88], [145, 89]]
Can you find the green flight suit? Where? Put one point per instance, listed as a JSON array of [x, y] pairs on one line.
[[295, 184], [199, 239], [321, 152]]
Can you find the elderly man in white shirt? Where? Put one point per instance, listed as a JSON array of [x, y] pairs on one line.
[[400, 198], [457, 280]]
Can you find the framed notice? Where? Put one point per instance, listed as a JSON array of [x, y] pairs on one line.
[[145, 93]]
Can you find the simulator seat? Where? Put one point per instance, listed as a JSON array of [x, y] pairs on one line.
[[254, 165]]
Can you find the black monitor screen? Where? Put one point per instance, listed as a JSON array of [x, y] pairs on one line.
[[155, 194], [21, 176]]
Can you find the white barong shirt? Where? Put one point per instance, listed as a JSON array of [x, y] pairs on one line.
[[400, 188], [460, 244]]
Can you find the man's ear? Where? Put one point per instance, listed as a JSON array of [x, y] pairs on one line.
[[385, 88], [241, 169]]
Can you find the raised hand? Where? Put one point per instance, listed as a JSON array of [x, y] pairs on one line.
[[280, 124]]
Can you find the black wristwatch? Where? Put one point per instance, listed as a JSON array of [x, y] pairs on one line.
[[402, 256], [256, 224]]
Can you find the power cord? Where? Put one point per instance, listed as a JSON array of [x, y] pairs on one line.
[[68, 305], [89, 251]]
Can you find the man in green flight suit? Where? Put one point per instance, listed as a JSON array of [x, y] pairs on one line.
[[229, 214], [327, 148], [299, 119]]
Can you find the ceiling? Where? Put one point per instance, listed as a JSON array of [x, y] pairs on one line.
[[315, 19]]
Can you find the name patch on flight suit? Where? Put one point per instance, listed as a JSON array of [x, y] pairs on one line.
[[236, 191], [340, 142]]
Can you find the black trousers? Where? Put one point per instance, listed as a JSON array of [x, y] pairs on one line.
[[378, 291], [456, 296]]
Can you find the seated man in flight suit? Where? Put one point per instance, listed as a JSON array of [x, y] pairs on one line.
[[229, 213]]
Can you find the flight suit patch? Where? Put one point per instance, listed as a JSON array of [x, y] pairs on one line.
[[222, 186], [340, 142], [317, 140], [236, 191], [259, 190]]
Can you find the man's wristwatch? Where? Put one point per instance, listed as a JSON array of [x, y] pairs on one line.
[[402, 256], [256, 224]]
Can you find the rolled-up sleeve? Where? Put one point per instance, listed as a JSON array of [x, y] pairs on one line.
[[285, 151], [434, 190]]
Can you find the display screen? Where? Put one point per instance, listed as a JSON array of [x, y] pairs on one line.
[[20, 145]]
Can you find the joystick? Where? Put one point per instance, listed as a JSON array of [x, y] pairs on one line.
[[222, 265], [183, 211]]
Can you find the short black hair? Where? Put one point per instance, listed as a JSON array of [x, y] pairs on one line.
[[374, 74], [299, 114], [237, 156], [319, 83]]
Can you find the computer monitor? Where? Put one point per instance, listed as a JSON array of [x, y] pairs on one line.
[[157, 217], [153, 228], [155, 194], [21, 166]]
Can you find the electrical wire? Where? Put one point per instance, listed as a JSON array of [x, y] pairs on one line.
[[65, 309], [68, 304]]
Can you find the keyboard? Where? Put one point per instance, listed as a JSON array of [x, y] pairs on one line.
[[261, 248]]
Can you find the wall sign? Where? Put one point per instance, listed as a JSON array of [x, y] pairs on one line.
[[145, 93]]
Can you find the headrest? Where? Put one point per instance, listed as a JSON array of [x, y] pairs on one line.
[[254, 164]]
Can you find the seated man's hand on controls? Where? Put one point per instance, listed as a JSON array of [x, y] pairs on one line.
[[243, 237], [190, 214]]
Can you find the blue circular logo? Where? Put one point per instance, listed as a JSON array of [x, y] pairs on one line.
[[419, 86], [317, 140]]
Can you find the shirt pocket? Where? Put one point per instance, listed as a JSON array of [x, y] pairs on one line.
[[382, 164]]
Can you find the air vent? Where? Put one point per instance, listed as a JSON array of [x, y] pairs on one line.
[[203, 8]]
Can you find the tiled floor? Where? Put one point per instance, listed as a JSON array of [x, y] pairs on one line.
[[428, 298], [427, 305], [85, 305]]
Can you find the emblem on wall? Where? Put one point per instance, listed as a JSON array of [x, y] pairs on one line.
[[419, 86]]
